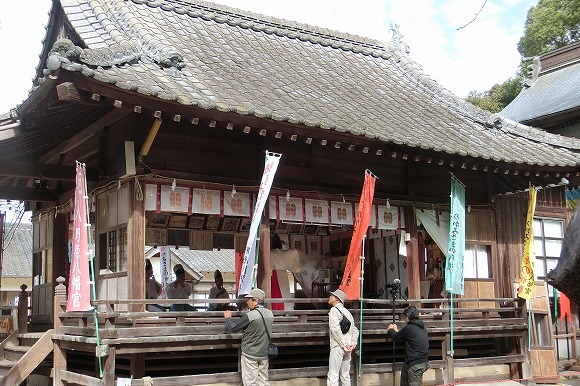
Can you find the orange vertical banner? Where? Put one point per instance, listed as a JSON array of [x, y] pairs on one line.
[[79, 291], [351, 279]]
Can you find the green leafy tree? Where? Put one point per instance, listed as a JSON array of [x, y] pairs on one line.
[[551, 24], [498, 96]]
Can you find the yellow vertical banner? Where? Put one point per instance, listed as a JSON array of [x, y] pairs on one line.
[[526, 286]]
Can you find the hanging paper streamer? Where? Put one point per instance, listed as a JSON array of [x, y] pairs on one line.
[[526, 286]]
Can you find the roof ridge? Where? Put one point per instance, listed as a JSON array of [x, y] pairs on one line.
[[269, 24]]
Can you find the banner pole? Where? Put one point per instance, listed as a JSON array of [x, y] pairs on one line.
[[92, 265], [451, 348], [360, 330], [256, 257]]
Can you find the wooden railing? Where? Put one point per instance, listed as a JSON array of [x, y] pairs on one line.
[[129, 339]]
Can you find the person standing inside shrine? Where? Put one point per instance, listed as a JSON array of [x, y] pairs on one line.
[[180, 289], [152, 287], [414, 334], [218, 291]]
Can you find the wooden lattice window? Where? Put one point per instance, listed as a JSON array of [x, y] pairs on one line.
[[112, 251]]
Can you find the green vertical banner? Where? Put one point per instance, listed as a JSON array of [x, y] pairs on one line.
[[456, 246]]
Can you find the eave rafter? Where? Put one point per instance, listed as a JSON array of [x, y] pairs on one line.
[[509, 176]]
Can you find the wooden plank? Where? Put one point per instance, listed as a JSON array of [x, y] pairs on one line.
[[80, 379]]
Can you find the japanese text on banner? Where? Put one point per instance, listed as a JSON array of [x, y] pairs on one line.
[[526, 287], [79, 297], [246, 275], [352, 271], [456, 245]]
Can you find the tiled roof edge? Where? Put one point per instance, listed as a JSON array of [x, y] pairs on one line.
[[533, 133]]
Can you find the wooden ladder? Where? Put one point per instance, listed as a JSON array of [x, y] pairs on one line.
[[18, 359]]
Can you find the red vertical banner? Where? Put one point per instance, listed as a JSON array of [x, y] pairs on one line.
[[564, 308], [351, 279], [239, 256], [79, 298]]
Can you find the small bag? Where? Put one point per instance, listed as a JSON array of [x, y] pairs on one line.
[[272, 351], [272, 348], [344, 324]]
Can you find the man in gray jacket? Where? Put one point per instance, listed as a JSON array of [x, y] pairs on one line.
[[341, 344], [254, 361]]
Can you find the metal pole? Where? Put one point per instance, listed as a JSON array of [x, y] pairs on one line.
[[360, 331]]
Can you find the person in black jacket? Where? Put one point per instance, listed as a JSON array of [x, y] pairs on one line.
[[414, 334]]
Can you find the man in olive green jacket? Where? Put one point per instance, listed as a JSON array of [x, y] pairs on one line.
[[254, 361]]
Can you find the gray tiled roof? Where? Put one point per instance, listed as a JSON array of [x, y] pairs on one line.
[[17, 258], [551, 93], [204, 261], [215, 57]]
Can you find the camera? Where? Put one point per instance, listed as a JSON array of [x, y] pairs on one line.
[[395, 285]]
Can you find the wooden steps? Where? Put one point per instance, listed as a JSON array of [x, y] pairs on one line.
[[22, 354]]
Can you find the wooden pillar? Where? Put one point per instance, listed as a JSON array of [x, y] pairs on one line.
[[135, 243], [23, 310], [109, 368], [59, 353], [138, 365], [526, 369], [449, 374], [414, 281]]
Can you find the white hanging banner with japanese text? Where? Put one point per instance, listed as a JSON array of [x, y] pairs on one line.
[[246, 275], [165, 268]]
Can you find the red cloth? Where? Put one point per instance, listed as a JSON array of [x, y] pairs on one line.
[[276, 293], [239, 262], [565, 307], [352, 271]]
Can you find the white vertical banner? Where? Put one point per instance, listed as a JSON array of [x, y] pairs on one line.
[[165, 268], [246, 274]]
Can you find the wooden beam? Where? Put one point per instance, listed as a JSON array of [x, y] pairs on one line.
[[150, 137], [43, 171], [67, 92], [87, 133], [27, 194]]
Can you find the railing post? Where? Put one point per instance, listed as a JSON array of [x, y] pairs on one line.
[[524, 348], [59, 354], [23, 310]]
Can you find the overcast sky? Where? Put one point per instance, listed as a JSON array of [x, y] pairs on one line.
[[473, 58]]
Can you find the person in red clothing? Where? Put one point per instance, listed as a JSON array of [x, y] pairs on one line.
[[414, 334]]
